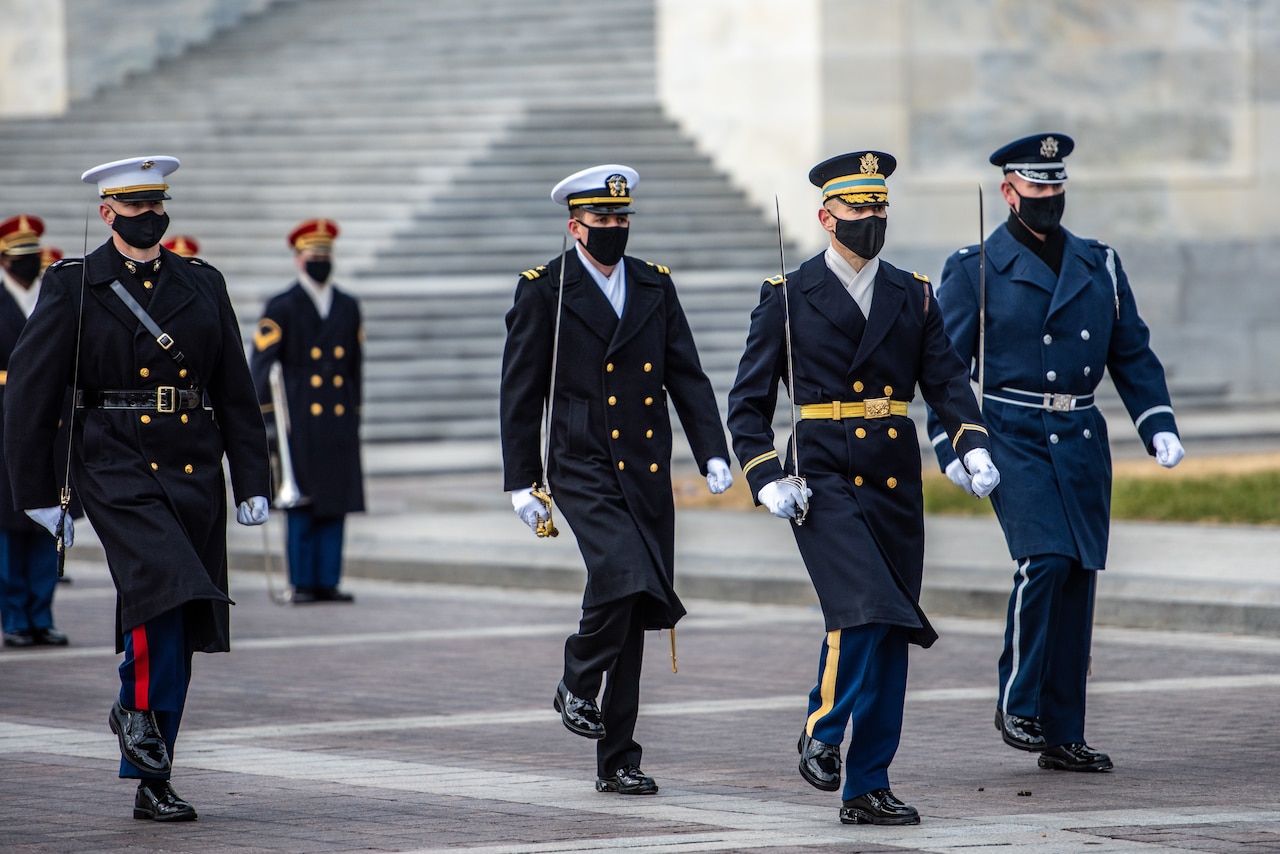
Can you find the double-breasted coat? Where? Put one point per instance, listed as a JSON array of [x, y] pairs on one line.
[[1053, 334], [151, 483], [323, 362], [863, 542], [610, 459]]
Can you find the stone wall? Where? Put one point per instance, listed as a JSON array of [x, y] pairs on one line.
[[1174, 106], [33, 49]]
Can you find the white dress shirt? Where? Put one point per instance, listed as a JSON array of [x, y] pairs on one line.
[[859, 283], [614, 285], [24, 297], [321, 295]]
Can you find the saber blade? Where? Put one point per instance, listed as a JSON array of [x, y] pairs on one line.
[[795, 478], [546, 527], [982, 298]]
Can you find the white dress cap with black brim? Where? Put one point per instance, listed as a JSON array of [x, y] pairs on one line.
[[601, 189], [134, 179]]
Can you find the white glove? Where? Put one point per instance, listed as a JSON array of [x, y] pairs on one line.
[[47, 518], [958, 476], [529, 507], [719, 477], [253, 511], [783, 498], [983, 472], [1168, 449]]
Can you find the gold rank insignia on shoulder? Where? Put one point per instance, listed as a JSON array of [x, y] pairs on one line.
[[666, 271], [921, 276], [199, 262], [775, 280], [267, 334], [535, 273]]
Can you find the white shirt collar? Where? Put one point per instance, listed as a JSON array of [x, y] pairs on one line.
[[321, 295], [24, 297], [613, 285], [859, 283]]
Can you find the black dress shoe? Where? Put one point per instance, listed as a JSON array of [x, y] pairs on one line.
[[304, 596], [819, 763], [157, 801], [879, 806], [580, 716], [1077, 756], [19, 639], [333, 594], [49, 637], [140, 739], [629, 780], [1019, 732]]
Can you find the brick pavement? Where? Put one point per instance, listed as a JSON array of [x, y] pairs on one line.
[[419, 720]]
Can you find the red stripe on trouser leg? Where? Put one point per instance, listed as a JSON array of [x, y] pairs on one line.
[[141, 670]]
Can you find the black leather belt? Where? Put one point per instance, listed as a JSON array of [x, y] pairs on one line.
[[166, 398]]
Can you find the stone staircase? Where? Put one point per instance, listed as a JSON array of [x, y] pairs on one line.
[[433, 133]]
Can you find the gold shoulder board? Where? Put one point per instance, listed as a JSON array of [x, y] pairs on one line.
[[666, 271], [535, 273], [921, 277], [776, 280]]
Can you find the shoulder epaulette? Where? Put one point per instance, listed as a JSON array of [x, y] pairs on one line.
[[775, 280], [200, 262], [921, 276], [666, 271], [1098, 243], [65, 262], [967, 249], [535, 273]]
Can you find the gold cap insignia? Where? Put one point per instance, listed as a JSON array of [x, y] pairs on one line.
[[147, 164], [1048, 147], [617, 185], [869, 164]]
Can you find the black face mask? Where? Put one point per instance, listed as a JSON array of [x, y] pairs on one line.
[[142, 231], [319, 271], [606, 244], [25, 268], [1041, 214], [863, 237]]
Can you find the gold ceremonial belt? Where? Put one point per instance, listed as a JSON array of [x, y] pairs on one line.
[[836, 410]]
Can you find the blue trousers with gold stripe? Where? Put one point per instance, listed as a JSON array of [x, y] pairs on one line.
[[1047, 639], [154, 676], [862, 680], [315, 550]]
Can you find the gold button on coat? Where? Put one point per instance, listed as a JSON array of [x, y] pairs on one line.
[[893, 432], [613, 400], [888, 389], [648, 366], [316, 380], [339, 352], [338, 381], [648, 434], [145, 372], [315, 353], [146, 419], [653, 466], [148, 285], [188, 469], [615, 434], [155, 467], [621, 465], [183, 373], [648, 401], [316, 409], [892, 482], [609, 367], [857, 481], [861, 433], [857, 386], [185, 419], [339, 409]]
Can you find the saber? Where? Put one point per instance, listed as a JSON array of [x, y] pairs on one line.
[[982, 299], [795, 478], [64, 495], [546, 527], [673, 649]]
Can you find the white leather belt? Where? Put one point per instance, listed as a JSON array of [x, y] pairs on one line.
[[1047, 400]]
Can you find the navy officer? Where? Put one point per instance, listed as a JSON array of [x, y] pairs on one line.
[[163, 394], [1059, 314], [864, 335], [624, 349]]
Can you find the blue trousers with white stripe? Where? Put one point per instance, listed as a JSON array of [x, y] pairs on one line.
[[1047, 639], [154, 676], [862, 680]]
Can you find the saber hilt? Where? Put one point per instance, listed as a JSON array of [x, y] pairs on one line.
[[64, 501], [795, 478], [545, 527]]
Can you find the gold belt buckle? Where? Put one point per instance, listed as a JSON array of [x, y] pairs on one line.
[[877, 407], [170, 405], [1058, 402]]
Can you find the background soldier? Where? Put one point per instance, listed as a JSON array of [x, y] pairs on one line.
[[624, 345], [1059, 313], [182, 245], [314, 331], [159, 339], [863, 335], [28, 558]]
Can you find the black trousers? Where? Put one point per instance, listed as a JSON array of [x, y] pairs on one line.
[[610, 639]]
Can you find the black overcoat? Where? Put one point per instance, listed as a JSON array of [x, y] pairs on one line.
[[323, 362], [611, 440], [863, 542], [152, 484]]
